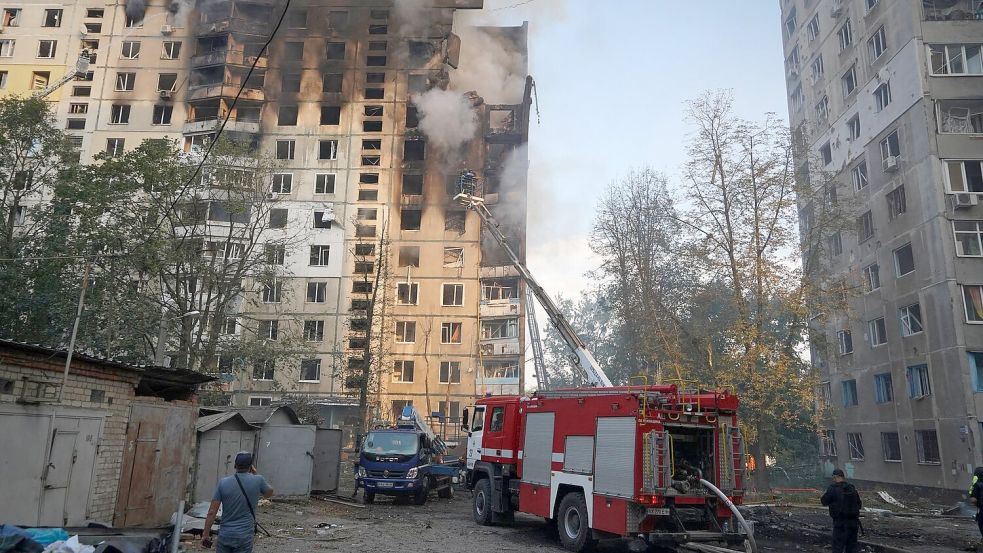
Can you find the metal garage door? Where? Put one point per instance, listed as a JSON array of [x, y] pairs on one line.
[[285, 456], [216, 458]]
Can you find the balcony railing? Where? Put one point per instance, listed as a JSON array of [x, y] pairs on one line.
[[235, 25], [228, 57], [206, 125], [952, 10], [960, 116], [224, 90]]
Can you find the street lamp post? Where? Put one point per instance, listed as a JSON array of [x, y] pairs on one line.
[[162, 335]]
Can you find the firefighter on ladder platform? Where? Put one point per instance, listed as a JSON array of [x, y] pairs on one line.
[[654, 463]]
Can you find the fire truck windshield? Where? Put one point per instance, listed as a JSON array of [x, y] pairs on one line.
[[391, 443]]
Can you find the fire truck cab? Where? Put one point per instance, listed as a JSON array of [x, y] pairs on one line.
[[609, 462]]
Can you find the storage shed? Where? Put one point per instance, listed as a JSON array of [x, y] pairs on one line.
[[220, 437]]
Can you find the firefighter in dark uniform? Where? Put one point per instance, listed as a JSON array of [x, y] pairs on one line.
[[844, 507], [976, 496]]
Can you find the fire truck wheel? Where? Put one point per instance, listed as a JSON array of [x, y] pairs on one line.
[[421, 495], [575, 534], [482, 502], [446, 492], [368, 497]]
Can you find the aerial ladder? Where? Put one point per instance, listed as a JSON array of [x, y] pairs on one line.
[[81, 66], [467, 195], [542, 377], [410, 419]]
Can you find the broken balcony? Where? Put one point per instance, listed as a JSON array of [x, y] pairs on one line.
[[500, 336], [952, 10], [229, 57], [224, 82], [960, 116]]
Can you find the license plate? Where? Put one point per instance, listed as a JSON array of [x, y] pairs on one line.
[[658, 511], [387, 485]]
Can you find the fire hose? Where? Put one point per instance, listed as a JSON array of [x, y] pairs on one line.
[[733, 509]]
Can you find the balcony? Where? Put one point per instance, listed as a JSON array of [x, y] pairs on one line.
[[208, 125], [511, 307], [960, 116], [504, 346], [235, 25], [952, 10], [228, 57], [224, 90]]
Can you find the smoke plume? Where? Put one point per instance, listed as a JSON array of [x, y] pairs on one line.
[[490, 65], [135, 9], [446, 118], [413, 17]]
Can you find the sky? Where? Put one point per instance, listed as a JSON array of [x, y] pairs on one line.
[[613, 79]]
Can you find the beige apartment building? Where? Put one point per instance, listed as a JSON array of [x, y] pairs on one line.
[[888, 97], [358, 181]]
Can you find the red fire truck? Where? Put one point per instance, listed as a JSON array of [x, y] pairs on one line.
[[650, 462]]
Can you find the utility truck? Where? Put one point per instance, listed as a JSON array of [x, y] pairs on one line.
[[656, 463], [405, 460]]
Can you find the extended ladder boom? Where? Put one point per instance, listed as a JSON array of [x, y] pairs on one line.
[[410, 418], [595, 376], [81, 66]]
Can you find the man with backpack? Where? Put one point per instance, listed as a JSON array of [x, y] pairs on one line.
[[844, 507], [238, 495]]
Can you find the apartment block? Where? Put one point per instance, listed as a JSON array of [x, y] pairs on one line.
[[888, 98], [358, 181]]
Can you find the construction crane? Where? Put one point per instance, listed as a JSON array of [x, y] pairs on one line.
[[81, 66], [542, 377], [594, 375]]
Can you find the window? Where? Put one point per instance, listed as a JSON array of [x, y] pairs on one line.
[[450, 410], [826, 153], [882, 96], [827, 443], [378, 29], [3, 80], [263, 369], [260, 401], [408, 293], [927, 444], [976, 369], [823, 396], [904, 260], [373, 161], [918, 381], [376, 78], [412, 117], [405, 332], [452, 295], [450, 372], [6, 48], [409, 256], [375, 61], [835, 244], [849, 392], [269, 330], [790, 24], [364, 249], [275, 253], [331, 83], [450, 333], [896, 202], [313, 331], [324, 183], [956, 59], [11, 17], [290, 82], [853, 127], [371, 145], [497, 420], [453, 257], [973, 303], [871, 4], [883, 388], [368, 195], [410, 219], [891, 446], [74, 124], [877, 332], [272, 292], [969, 238], [319, 255], [845, 35], [162, 115], [322, 219], [855, 441], [865, 226], [52, 18], [822, 111], [330, 115], [278, 218], [46, 48], [375, 93], [844, 340], [125, 81], [130, 50], [367, 214], [336, 51], [859, 176], [286, 149], [412, 185], [499, 328], [813, 28], [93, 28], [172, 50], [282, 183], [911, 319], [414, 150], [368, 178], [849, 80], [317, 292], [287, 116], [371, 126], [964, 176], [890, 147], [167, 81], [114, 146], [871, 277], [327, 149], [403, 371], [310, 370], [877, 44], [120, 114], [361, 287], [132, 22], [365, 231]]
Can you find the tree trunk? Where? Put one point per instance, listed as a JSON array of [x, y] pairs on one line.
[[758, 450]]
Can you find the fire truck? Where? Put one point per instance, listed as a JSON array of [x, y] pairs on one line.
[[659, 464]]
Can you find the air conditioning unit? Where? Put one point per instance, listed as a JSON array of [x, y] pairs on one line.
[[965, 201], [166, 29], [166, 94], [891, 164]]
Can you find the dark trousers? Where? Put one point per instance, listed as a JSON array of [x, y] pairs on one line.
[[845, 535], [979, 521]]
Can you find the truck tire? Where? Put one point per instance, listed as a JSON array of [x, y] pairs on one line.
[[446, 492], [368, 497], [421, 495], [572, 523], [481, 507]]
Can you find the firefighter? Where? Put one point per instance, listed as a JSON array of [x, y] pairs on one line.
[[976, 496], [844, 505]]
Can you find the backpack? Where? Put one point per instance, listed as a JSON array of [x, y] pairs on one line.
[[851, 504]]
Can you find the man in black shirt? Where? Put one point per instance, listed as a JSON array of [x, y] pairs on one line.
[[976, 496], [844, 507]]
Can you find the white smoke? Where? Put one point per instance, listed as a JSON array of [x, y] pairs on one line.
[[446, 118], [413, 17], [490, 65]]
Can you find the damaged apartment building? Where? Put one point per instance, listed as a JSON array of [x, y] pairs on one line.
[[364, 177], [888, 98]]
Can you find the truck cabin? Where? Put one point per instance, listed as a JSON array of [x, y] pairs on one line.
[[394, 446]]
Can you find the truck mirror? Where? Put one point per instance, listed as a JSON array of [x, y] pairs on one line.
[[464, 420]]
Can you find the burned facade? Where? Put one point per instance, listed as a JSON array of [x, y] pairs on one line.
[[363, 180]]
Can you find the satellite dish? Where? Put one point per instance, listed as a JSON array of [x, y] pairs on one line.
[[83, 30]]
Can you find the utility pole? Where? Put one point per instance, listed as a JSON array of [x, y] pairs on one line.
[[75, 328]]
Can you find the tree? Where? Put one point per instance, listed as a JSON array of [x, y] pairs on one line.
[[594, 321]]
